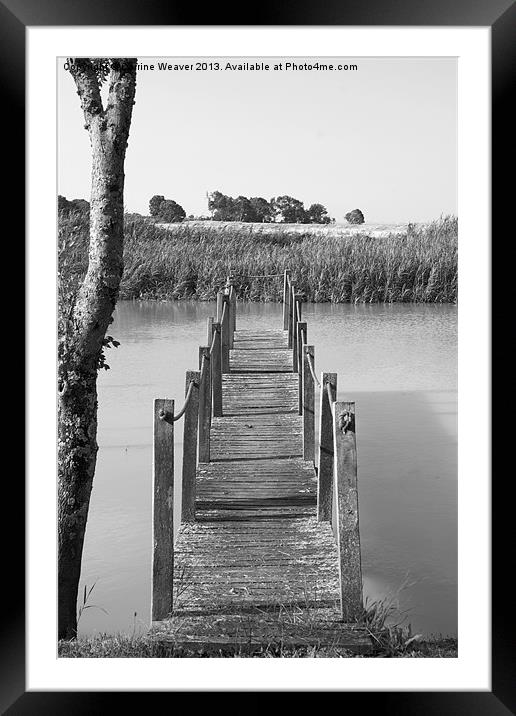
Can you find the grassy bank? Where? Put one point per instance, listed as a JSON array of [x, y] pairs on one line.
[[390, 638], [191, 262], [123, 646]]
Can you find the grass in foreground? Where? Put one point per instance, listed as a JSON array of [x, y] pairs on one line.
[[389, 639], [191, 262], [124, 646]]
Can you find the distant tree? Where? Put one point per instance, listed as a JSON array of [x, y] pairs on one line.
[[288, 210], [243, 210], [62, 203], [262, 209], [221, 206], [155, 204], [80, 205], [355, 217], [171, 212], [318, 214]]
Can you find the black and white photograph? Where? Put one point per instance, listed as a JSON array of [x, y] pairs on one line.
[[257, 357]]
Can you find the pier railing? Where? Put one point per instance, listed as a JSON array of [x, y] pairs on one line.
[[333, 454]]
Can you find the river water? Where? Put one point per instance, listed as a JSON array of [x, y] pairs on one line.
[[397, 362]]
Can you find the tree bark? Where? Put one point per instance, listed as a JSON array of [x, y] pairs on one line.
[[82, 342]]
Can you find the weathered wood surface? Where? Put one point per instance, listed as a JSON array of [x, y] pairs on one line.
[[163, 509], [257, 568]]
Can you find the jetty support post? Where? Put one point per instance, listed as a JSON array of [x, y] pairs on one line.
[[209, 333], [346, 501], [291, 314], [225, 331], [163, 510], [286, 299], [216, 371], [233, 302], [190, 430], [296, 348], [301, 342], [308, 404], [220, 301], [204, 403], [325, 452]]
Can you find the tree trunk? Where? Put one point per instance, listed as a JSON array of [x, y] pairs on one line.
[[81, 347]]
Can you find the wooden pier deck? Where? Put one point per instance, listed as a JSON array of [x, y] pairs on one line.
[[255, 563]]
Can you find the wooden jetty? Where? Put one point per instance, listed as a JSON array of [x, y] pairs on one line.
[[267, 554]]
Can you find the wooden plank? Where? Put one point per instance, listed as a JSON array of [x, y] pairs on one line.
[[191, 420], [325, 451], [346, 499], [252, 361], [163, 509]]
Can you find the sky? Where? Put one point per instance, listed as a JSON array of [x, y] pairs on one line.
[[382, 139]]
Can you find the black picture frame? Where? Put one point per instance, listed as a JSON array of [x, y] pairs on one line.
[[500, 15]]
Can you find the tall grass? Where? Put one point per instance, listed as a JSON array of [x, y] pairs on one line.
[[419, 265]]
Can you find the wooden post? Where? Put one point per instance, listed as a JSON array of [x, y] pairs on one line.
[[325, 470], [346, 499], [216, 373], [225, 335], [286, 296], [204, 405], [163, 510], [233, 311], [210, 330], [191, 420], [301, 338], [220, 302], [291, 314], [308, 405], [296, 348]]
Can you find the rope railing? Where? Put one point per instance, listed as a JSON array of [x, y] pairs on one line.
[[312, 370], [187, 400], [213, 340], [203, 367], [329, 390]]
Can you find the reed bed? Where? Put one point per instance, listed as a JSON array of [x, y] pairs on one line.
[[191, 262]]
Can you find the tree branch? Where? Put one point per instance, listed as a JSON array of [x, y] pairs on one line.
[[88, 88], [122, 85]]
